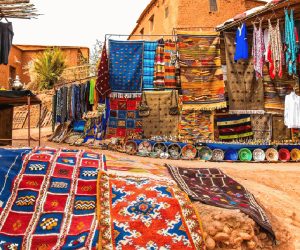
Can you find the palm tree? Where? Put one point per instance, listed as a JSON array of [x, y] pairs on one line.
[[48, 67]]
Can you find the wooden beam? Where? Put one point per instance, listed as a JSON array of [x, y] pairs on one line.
[[13, 1]]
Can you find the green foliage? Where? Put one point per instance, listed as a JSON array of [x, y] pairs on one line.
[[48, 67]]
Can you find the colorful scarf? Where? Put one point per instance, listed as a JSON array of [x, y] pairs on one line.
[[149, 59], [232, 127], [125, 65], [160, 122], [201, 73], [213, 187], [246, 95], [124, 118], [170, 69], [159, 67], [195, 125], [143, 213], [52, 202], [262, 127], [102, 84]]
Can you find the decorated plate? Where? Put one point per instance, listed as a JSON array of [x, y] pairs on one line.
[[245, 154], [205, 153], [159, 147], [259, 155], [145, 146], [218, 155], [295, 154], [131, 147], [231, 155], [188, 152], [174, 151], [272, 154], [284, 154]]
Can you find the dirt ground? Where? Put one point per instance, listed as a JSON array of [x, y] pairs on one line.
[[275, 185]]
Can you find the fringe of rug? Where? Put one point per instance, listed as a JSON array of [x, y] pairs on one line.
[[124, 95]]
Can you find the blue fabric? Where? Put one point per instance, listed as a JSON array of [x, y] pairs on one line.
[[11, 164], [290, 41], [79, 126], [237, 147], [241, 41], [231, 155], [148, 63], [126, 65]]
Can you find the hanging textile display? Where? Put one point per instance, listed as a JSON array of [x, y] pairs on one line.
[[232, 127], [6, 34], [279, 131], [125, 66], [241, 41], [201, 72], [124, 119], [53, 201], [275, 51], [290, 43], [159, 65], [246, 95], [102, 84], [258, 50], [195, 125], [262, 127], [170, 57], [160, 122], [148, 64], [146, 214], [218, 189]]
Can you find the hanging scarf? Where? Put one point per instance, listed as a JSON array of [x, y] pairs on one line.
[[258, 50], [290, 41]]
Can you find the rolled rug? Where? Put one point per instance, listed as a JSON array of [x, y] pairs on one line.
[[205, 153], [272, 154], [258, 155], [231, 155], [295, 154], [284, 154], [245, 154], [218, 155]]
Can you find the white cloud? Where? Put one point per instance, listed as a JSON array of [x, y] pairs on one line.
[[77, 22]]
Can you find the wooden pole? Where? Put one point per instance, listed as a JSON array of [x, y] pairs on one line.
[[40, 124], [28, 106]]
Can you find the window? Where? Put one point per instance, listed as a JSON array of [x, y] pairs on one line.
[[166, 12], [151, 22], [213, 5]]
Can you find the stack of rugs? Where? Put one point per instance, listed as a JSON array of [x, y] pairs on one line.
[[67, 199]]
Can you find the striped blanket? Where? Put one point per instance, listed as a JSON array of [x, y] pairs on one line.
[[201, 73], [148, 63]]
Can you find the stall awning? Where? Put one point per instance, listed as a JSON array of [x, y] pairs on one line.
[[17, 98]]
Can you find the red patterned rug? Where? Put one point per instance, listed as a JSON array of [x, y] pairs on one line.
[[53, 201], [142, 213]]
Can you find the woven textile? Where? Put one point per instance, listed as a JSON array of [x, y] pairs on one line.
[[102, 84], [125, 65], [170, 60], [262, 127], [148, 63], [213, 187], [160, 122], [279, 131], [143, 213], [245, 93], [11, 164], [201, 73], [53, 201], [195, 125], [124, 118], [159, 65], [232, 127]]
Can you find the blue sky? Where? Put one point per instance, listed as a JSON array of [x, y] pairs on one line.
[[77, 22]]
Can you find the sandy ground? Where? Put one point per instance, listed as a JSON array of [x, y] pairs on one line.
[[276, 186]]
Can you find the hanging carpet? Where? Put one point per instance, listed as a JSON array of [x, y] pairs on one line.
[[201, 73], [144, 213], [280, 132], [170, 57], [52, 202], [213, 187], [262, 127], [245, 93], [195, 125], [148, 64], [124, 118], [160, 122], [125, 65], [159, 65]]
